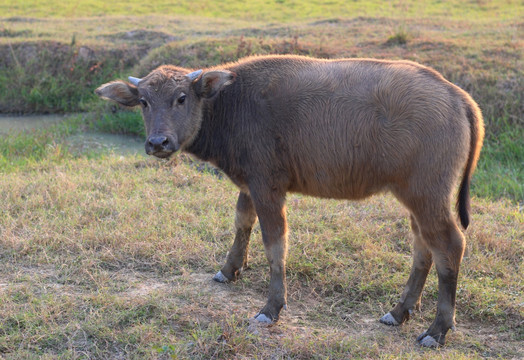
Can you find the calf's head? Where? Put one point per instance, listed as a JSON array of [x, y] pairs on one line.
[[171, 99]]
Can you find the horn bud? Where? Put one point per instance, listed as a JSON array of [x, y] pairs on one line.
[[194, 75], [134, 80]]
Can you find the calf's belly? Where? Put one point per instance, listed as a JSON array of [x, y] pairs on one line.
[[338, 185]]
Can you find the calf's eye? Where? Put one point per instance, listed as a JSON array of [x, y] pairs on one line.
[[181, 99], [143, 102]]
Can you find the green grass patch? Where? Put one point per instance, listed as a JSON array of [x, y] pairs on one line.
[[116, 121], [24, 148], [500, 172], [260, 10]]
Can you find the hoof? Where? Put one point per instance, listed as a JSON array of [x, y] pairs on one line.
[[428, 341], [388, 319], [221, 278], [263, 319]]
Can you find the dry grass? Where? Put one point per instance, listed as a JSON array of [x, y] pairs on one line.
[[114, 259]]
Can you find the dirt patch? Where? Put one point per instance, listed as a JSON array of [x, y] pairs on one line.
[[23, 19], [326, 21], [143, 286], [139, 36], [8, 33]]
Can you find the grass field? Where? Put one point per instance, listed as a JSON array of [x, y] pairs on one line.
[[108, 255], [113, 258]]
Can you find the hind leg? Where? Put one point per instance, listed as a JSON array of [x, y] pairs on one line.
[[410, 298], [447, 245], [237, 257]]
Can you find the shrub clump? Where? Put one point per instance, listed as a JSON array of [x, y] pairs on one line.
[[52, 77]]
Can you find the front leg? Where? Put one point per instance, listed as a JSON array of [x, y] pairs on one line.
[[270, 207], [237, 257]]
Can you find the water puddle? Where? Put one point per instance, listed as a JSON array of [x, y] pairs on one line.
[[10, 123], [79, 143]]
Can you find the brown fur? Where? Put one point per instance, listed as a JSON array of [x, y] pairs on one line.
[[343, 129]]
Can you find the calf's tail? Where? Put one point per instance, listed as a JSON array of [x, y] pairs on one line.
[[476, 125]]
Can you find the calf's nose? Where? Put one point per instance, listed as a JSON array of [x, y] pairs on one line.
[[158, 142]]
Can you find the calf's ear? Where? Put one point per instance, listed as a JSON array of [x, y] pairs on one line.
[[119, 91], [211, 82]]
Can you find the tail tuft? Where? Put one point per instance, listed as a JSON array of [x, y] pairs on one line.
[[463, 203]]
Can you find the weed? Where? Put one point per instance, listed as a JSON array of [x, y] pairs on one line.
[[400, 37]]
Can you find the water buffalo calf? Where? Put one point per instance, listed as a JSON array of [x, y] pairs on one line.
[[342, 129]]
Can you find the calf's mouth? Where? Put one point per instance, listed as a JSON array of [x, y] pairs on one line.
[[162, 154]]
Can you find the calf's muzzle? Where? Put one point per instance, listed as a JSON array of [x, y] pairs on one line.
[[161, 146]]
